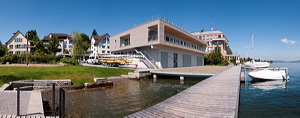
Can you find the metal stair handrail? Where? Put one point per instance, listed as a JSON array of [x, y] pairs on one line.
[[151, 61]]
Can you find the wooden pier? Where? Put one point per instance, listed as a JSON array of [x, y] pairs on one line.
[[217, 96]]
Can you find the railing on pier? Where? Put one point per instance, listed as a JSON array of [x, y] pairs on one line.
[[61, 97]]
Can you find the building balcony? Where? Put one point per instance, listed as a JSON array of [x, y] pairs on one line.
[[197, 49]]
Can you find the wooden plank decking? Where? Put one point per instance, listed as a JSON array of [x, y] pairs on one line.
[[217, 96]]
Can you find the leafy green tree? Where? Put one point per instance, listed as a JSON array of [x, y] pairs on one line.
[[81, 42], [53, 45], [38, 44], [3, 49], [94, 32], [215, 58]]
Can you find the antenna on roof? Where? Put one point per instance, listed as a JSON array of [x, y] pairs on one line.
[[202, 29], [212, 26]]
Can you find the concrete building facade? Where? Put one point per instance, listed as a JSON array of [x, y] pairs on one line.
[[165, 44]]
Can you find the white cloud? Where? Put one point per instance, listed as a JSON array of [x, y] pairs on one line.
[[284, 40]]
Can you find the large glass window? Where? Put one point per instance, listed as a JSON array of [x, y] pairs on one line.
[[125, 40], [152, 35]]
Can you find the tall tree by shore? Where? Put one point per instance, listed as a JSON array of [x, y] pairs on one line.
[[81, 42]]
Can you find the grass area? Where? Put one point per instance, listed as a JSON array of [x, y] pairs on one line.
[[78, 74]]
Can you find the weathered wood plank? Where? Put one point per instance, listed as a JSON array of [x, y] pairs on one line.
[[217, 96]]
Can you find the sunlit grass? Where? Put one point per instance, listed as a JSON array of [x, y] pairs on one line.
[[78, 74]]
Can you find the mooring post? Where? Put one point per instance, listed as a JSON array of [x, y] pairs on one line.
[[154, 76], [181, 78], [18, 101], [53, 100]]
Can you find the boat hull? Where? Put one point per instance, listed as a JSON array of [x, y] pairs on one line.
[[269, 74]]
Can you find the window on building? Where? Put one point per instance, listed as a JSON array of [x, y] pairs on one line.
[[10, 52], [11, 46], [103, 40], [108, 51], [167, 38], [18, 40], [219, 36], [103, 46], [18, 52], [103, 51], [107, 47], [125, 40], [152, 35], [17, 46]]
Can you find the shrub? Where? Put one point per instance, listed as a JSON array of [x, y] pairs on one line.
[[69, 61]]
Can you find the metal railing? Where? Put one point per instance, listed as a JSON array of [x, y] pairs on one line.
[[61, 97], [149, 59]]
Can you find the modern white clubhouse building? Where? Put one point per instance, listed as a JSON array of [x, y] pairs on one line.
[[162, 44]]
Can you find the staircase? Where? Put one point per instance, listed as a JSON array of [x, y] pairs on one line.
[[148, 60]]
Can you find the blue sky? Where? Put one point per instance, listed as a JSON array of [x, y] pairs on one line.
[[275, 23]]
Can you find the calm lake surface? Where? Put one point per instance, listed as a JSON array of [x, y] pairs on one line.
[[125, 97], [267, 99], [272, 99]]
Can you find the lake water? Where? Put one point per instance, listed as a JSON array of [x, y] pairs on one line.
[[124, 98], [272, 99], [257, 99]]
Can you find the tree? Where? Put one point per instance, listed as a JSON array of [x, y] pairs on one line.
[[81, 42], [53, 45], [38, 44], [215, 58], [3, 49], [94, 32]]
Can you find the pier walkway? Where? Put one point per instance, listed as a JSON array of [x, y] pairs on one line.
[[197, 71], [217, 96]]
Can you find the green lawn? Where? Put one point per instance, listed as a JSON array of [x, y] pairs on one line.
[[78, 74]]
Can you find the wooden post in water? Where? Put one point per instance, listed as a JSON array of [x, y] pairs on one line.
[[53, 100]]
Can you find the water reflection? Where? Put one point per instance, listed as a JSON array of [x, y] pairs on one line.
[[269, 85], [124, 98]]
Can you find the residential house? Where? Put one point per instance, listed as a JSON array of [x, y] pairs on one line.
[[17, 44], [161, 43], [65, 42], [100, 44]]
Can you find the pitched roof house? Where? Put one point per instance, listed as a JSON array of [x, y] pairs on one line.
[[17, 44], [100, 44]]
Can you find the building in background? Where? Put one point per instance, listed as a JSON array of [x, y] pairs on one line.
[[216, 39], [100, 44], [162, 44], [17, 44], [65, 42]]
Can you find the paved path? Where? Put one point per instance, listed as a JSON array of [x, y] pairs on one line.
[[217, 96], [30, 103], [197, 71]]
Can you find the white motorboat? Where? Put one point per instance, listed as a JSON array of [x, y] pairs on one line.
[[252, 63], [267, 74]]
